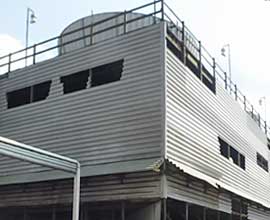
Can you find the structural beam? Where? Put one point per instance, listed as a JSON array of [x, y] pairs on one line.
[[44, 158]]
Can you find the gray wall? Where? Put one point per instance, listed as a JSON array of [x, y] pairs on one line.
[[104, 188], [196, 117], [115, 122]]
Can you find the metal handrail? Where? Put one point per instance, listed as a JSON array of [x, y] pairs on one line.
[[219, 73]]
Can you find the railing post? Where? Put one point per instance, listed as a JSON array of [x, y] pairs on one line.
[[183, 42], [34, 54], [200, 59], [214, 69], [91, 32], [259, 120], [265, 127], [155, 9], [9, 62], [125, 21], [226, 80], [162, 10], [245, 103], [235, 92], [252, 111]]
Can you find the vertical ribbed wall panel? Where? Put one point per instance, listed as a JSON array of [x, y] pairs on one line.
[[195, 119], [119, 121]]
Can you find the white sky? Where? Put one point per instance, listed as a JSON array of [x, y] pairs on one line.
[[244, 24]]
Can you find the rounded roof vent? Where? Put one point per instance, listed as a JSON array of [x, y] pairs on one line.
[[99, 27]]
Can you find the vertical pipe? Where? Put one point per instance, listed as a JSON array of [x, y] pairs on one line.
[[76, 194]]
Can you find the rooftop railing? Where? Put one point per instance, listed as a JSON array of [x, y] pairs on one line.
[[155, 11]]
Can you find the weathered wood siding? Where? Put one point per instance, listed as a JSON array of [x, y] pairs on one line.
[[114, 122], [196, 117]]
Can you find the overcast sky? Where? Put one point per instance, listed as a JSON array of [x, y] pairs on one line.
[[244, 24]]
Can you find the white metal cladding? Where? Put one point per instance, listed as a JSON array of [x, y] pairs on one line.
[[86, 21], [254, 213], [115, 122], [94, 170], [179, 187], [141, 185], [196, 117]]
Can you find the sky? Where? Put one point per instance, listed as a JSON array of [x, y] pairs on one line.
[[244, 24]]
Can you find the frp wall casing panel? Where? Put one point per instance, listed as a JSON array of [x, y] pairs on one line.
[[144, 185], [196, 117], [114, 122], [254, 213], [179, 187]]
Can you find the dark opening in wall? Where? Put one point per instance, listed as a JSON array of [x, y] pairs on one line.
[[28, 95], [262, 162], [239, 209], [229, 152], [224, 148], [234, 155], [41, 91], [211, 214], [176, 210], [195, 212], [242, 162], [107, 73], [18, 97], [75, 82]]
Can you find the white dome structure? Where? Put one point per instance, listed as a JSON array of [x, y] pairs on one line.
[[102, 26]]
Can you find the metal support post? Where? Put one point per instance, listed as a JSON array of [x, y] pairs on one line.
[[76, 194]]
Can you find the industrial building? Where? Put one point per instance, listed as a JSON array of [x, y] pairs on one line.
[[158, 127]]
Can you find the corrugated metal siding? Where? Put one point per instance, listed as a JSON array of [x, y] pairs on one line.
[[195, 119], [119, 121], [254, 213], [180, 188], [104, 188]]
